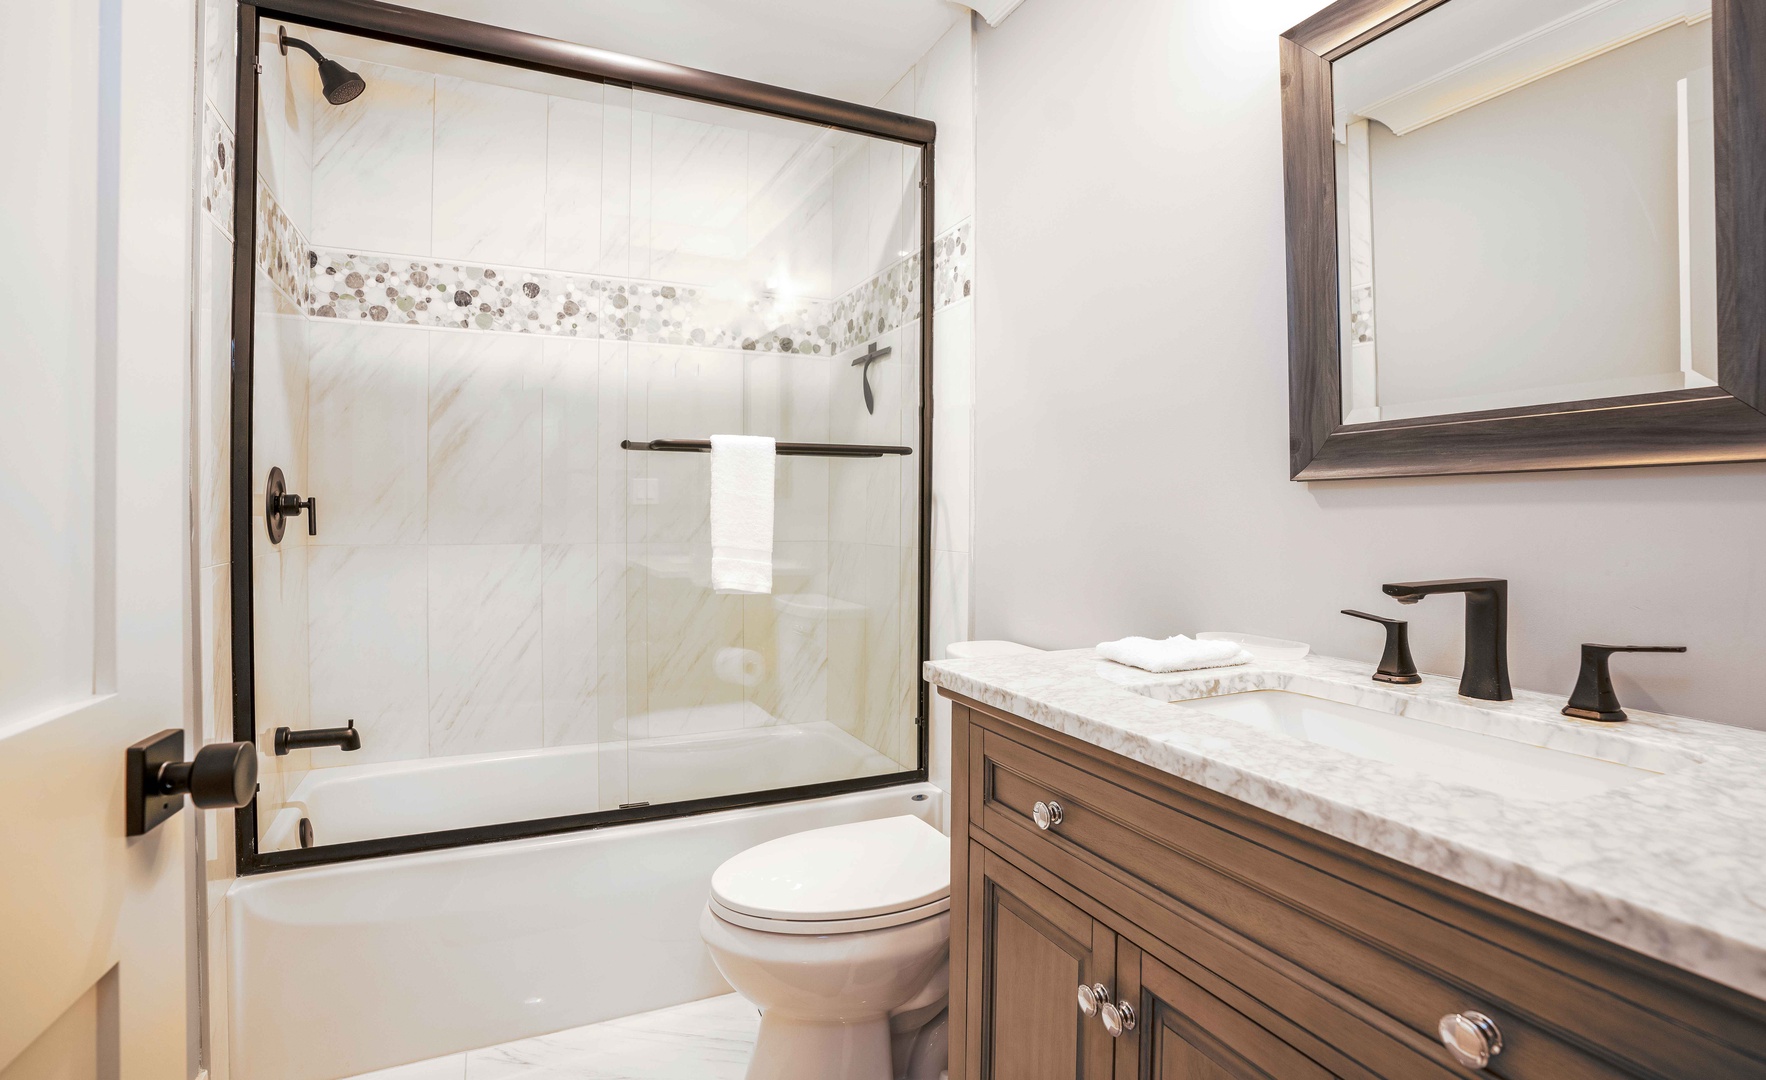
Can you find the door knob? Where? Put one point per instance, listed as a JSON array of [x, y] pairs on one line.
[[1046, 815], [1471, 1038], [221, 775], [1117, 1018], [280, 505]]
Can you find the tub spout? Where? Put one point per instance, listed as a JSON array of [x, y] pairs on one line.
[[344, 738]]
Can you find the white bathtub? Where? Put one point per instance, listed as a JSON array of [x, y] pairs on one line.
[[361, 802], [342, 969]]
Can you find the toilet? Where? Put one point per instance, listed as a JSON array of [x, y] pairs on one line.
[[841, 936]]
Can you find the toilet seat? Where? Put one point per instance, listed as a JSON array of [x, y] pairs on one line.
[[867, 875]]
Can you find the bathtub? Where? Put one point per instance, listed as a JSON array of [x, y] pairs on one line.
[[338, 970], [361, 802]]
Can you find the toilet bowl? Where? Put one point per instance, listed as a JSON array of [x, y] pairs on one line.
[[841, 936]]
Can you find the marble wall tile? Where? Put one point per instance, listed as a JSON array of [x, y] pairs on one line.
[[863, 644], [620, 416], [952, 621], [686, 626], [790, 211], [215, 652], [570, 624], [368, 634], [212, 398], [616, 182], [287, 94], [368, 433], [953, 426], [786, 398], [485, 664], [373, 164], [864, 494], [698, 225], [490, 173], [852, 213], [621, 652], [279, 639], [789, 629], [574, 135], [280, 375], [911, 350], [685, 394], [484, 439], [568, 377], [220, 51], [944, 91]]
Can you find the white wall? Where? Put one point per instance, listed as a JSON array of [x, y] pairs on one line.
[[1131, 416]]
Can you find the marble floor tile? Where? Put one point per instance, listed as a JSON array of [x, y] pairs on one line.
[[701, 1040]]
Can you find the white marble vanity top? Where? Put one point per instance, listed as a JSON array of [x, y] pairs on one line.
[[1673, 867]]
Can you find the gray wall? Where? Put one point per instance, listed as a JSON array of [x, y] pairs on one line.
[[1131, 402]]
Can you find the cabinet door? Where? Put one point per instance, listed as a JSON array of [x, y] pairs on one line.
[[1029, 953], [1182, 1032]]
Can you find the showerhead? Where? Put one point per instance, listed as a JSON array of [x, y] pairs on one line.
[[340, 84]]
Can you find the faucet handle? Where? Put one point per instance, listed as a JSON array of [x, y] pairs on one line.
[[1396, 666], [1593, 698]]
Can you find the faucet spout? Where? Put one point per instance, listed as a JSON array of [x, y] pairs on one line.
[[1485, 675]]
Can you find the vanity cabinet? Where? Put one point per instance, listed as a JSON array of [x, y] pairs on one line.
[[1231, 942]]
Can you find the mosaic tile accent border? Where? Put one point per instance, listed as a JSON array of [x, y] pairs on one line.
[[463, 296], [217, 168]]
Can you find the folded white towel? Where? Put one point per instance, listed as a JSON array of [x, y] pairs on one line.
[[1178, 653], [742, 513]]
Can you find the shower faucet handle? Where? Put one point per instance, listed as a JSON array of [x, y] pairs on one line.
[[280, 504], [1396, 666]]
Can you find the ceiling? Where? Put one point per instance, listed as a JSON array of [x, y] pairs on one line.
[[854, 50]]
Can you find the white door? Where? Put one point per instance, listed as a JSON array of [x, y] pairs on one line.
[[95, 207]]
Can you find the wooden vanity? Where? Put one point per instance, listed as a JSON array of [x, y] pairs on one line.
[[1230, 942]]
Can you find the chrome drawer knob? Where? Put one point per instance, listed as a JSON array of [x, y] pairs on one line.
[[1091, 997], [1471, 1038], [1047, 815], [1117, 1018]]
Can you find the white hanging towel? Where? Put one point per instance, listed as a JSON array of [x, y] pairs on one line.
[[742, 513], [1178, 653]]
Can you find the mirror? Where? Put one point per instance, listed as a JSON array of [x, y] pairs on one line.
[[1527, 193], [1520, 230]]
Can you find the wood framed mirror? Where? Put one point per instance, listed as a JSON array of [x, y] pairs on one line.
[[1525, 235]]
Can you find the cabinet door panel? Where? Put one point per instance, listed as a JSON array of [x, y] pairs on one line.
[[1182, 1032], [1029, 952]]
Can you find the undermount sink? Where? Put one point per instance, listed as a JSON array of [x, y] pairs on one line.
[[1455, 755]]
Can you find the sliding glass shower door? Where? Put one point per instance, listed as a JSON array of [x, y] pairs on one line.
[[484, 294]]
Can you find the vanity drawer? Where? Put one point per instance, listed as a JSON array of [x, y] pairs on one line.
[[1279, 909]]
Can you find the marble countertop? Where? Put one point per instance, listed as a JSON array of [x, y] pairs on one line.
[[1673, 867]]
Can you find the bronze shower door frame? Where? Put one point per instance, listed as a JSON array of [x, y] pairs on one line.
[[460, 37]]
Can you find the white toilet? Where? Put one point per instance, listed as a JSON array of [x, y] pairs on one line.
[[842, 937]]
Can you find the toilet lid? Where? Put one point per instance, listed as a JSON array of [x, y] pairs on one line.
[[842, 872]]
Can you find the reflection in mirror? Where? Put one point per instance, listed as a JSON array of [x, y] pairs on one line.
[[1527, 206]]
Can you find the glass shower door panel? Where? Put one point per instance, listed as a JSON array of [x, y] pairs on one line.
[[762, 252]]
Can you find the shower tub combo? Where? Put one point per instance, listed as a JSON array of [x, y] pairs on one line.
[[517, 561]]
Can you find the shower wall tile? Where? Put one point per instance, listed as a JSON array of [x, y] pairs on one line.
[[619, 412], [698, 221], [909, 466], [287, 92], [484, 439], [279, 390], [616, 182], [789, 629], [279, 656], [944, 91], [570, 652], [485, 664], [863, 644], [787, 399], [852, 215], [213, 392], [619, 663], [685, 393], [953, 426], [217, 169], [282, 252], [490, 173], [220, 50], [864, 494], [790, 211], [568, 379], [687, 628], [574, 134], [373, 164], [368, 433], [368, 635]]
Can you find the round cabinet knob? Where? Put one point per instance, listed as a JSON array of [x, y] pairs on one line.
[[1117, 1018], [221, 775], [1047, 815], [1091, 997], [1471, 1038]]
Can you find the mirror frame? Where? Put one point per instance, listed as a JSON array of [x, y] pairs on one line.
[[1725, 423]]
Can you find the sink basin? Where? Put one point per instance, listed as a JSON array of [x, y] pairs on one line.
[[1474, 759]]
